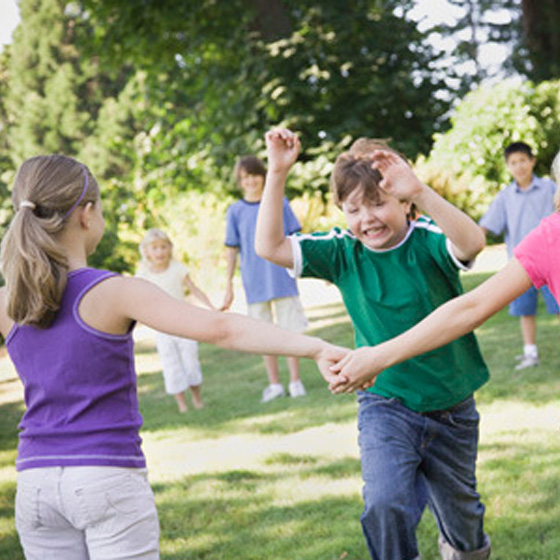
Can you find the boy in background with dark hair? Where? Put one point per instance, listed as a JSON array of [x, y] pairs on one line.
[[516, 211], [271, 293]]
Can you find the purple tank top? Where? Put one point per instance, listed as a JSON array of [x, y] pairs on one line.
[[80, 389]]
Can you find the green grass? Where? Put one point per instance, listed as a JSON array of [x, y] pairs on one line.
[[282, 481]]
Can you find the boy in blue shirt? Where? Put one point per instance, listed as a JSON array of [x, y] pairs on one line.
[[271, 293], [516, 211], [419, 420]]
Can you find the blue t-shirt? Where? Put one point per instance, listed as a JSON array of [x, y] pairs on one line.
[[262, 280], [515, 212]]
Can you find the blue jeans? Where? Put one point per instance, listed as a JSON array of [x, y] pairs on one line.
[[409, 458]]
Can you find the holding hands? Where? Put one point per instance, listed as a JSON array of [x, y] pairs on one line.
[[356, 371], [326, 359]]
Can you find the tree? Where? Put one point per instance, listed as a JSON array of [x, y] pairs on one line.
[[477, 25], [539, 50], [6, 174], [229, 70], [54, 93], [527, 28]]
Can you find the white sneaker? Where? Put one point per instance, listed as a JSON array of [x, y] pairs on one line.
[[273, 392], [527, 361], [296, 389]]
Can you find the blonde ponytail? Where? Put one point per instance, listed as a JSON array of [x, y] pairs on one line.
[[46, 191]]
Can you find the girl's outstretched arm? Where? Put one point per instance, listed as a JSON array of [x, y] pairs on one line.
[[458, 316], [113, 304]]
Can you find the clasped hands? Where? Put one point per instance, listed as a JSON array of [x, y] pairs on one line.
[[357, 370]]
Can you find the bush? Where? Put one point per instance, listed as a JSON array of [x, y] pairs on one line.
[[466, 163]]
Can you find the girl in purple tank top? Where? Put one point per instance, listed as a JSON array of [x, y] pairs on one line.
[[68, 330]]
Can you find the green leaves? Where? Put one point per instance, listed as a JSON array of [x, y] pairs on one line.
[[467, 162]]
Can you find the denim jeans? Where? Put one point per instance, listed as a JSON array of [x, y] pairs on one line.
[[86, 513], [409, 458]]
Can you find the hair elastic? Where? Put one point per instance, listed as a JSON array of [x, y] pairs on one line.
[[27, 204], [80, 198]]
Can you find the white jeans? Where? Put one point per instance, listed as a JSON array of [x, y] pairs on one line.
[[86, 513], [179, 362]]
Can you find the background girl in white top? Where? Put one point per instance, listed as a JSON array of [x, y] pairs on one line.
[[179, 356]]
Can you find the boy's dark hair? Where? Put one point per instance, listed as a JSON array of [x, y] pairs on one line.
[[252, 165], [518, 147], [353, 169]]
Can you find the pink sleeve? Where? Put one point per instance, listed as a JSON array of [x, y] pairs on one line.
[[533, 253]]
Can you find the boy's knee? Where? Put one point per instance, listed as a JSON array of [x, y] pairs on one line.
[[386, 505]]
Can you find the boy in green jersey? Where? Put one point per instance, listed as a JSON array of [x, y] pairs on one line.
[[419, 420]]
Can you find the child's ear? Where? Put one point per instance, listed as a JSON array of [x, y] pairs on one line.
[[85, 215], [408, 206]]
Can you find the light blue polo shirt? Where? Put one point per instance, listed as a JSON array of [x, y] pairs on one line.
[[515, 212], [262, 280]]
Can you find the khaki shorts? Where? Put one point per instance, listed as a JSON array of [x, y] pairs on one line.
[[286, 312]]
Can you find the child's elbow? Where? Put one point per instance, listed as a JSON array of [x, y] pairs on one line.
[[222, 332], [263, 249], [478, 242]]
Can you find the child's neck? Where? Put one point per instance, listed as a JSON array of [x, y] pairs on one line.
[[159, 267], [252, 198], [524, 185]]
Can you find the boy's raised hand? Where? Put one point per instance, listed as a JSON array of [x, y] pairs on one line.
[[399, 179], [283, 147]]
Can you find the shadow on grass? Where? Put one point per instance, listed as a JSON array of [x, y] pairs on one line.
[[245, 514], [520, 485], [228, 518]]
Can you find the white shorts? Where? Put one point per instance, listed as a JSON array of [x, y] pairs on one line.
[[86, 513], [286, 312], [179, 362]]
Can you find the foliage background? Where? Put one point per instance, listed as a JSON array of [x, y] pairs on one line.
[[160, 97]]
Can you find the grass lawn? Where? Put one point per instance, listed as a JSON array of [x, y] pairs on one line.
[[241, 480]]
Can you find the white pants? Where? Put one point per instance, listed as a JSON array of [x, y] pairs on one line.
[[179, 362], [86, 513]]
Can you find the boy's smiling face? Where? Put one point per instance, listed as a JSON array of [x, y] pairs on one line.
[[251, 185], [521, 166], [379, 223]]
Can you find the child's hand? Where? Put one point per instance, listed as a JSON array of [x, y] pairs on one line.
[[357, 370], [228, 299], [283, 148], [327, 358], [399, 179]]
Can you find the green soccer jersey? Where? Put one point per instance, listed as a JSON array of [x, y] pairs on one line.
[[387, 292]]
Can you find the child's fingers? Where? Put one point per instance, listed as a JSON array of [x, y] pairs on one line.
[[337, 380], [284, 135], [337, 368]]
